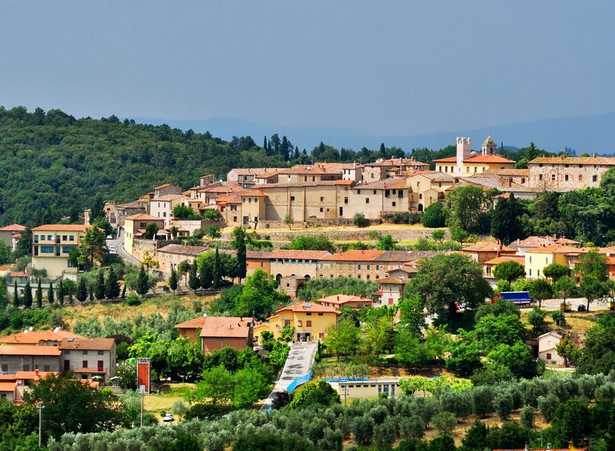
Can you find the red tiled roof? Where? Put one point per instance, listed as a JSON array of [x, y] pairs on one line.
[[307, 307], [515, 258], [35, 337], [299, 254], [29, 350], [341, 299], [609, 161], [354, 255], [488, 247], [477, 159], [195, 323], [60, 228], [7, 386], [19, 274], [13, 228], [32, 375], [226, 327], [90, 344], [553, 249]]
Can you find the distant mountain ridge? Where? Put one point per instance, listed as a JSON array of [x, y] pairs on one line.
[[591, 134]]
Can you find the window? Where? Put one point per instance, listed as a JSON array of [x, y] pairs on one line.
[[287, 322], [548, 356], [594, 178], [580, 178], [46, 368], [374, 191], [101, 352], [322, 199], [394, 204], [64, 237], [100, 365], [320, 314], [5, 368], [42, 237], [71, 238], [552, 177], [84, 364], [47, 249], [540, 177], [367, 200], [49, 237], [359, 267], [292, 198], [358, 191], [309, 313], [308, 323], [85, 352], [321, 209], [345, 200], [66, 249]]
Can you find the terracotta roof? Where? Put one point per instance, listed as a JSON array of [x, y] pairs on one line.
[[89, 344], [29, 350], [488, 247], [354, 255], [35, 337], [195, 323], [19, 274], [477, 159], [226, 327], [163, 186], [553, 249], [345, 182], [436, 176], [7, 386], [168, 198], [397, 162], [13, 228], [609, 161], [299, 254], [565, 240], [254, 192], [263, 186], [61, 228], [515, 258], [392, 281], [143, 217], [341, 299], [307, 307], [32, 375], [259, 255], [390, 183], [180, 249], [249, 171]]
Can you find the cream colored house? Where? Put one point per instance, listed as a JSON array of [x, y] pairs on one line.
[[390, 195], [537, 258], [367, 388], [52, 245], [135, 226], [465, 163], [547, 352], [162, 207]]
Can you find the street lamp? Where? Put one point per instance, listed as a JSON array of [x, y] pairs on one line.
[[40, 407], [142, 392]]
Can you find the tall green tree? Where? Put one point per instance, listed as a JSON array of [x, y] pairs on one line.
[[61, 292], [92, 247], [342, 339], [173, 280], [506, 220], [15, 295], [540, 289], [193, 279], [4, 295], [206, 273], [50, 294], [216, 270], [259, 297], [39, 294], [554, 271], [509, 271], [82, 290], [27, 295], [99, 286], [239, 243], [142, 282], [97, 209], [112, 286], [467, 204], [435, 215], [446, 280]]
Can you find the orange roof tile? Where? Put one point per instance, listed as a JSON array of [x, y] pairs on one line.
[[226, 327], [341, 299], [515, 258], [553, 249], [609, 161], [29, 350], [32, 375], [89, 344], [13, 228], [7, 386], [36, 337], [60, 228], [354, 255], [143, 217], [195, 323], [300, 307], [299, 254]]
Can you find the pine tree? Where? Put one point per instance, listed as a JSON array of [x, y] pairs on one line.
[[28, 295], [50, 293], [82, 290], [91, 293], [216, 269], [99, 287], [4, 295], [173, 280], [206, 274], [193, 280], [39, 294], [265, 146], [15, 295], [142, 282], [239, 243], [112, 287], [61, 293]]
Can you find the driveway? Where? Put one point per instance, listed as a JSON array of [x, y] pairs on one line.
[[299, 363], [118, 243]]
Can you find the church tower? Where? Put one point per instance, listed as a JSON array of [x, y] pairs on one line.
[[489, 146], [464, 150]]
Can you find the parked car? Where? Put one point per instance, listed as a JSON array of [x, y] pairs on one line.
[[112, 250], [167, 417]]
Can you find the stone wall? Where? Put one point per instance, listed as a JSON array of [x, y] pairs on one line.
[[140, 247]]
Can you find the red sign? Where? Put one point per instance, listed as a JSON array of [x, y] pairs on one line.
[[143, 375]]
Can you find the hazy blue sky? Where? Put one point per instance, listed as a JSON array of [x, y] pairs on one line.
[[382, 67]]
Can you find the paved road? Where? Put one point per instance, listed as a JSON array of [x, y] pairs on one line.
[[553, 304], [119, 248], [299, 362]]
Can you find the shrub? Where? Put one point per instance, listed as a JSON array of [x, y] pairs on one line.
[[132, 300], [412, 428], [503, 404], [360, 220], [547, 405], [444, 422], [527, 417], [559, 318], [482, 400]]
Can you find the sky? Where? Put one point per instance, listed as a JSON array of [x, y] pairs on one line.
[[393, 67]]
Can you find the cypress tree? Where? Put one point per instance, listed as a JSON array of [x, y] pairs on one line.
[[173, 280], [82, 290], [99, 288], [15, 295], [124, 291], [193, 280], [50, 294], [205, 274], [28, 295], [142, 282], [239, 243], [39, 294], [216, 270], [4, 295], [61, 293], [112, 287]]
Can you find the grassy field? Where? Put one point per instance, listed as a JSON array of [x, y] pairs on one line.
[[159, 304], [577, 323]]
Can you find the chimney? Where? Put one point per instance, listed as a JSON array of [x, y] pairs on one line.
[[36, 372]]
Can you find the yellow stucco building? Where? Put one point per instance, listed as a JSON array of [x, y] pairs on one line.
[[466, 164], [310, 320], [537, 258], [52, 245], [134, 227]]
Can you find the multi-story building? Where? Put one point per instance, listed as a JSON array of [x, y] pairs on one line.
[[88, 357], [482, 252], [14, 358], [10, 234], [394, 167], [162, 207], [568, 173], [389, 195], [465, 163], [135, 227], [215, 333], [170, 256], [52, 245], [309, 319], [284, 263]]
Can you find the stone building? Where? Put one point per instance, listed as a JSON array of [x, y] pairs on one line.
[[565, 173], [465, 163]]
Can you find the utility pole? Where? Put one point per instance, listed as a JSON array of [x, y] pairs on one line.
[[40, 407]]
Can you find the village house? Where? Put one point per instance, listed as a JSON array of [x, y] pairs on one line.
[[429, 187], [28, 357], [537, 258], [565, 173], [116, 213], [214, 333], [10, 234], [394, 167], [309, 319], [391, 290], [482, 252], [14, 386], [283, 262], [230, 209], [547, 349], [366, 388], [162, 207], [490, 265], [244, 177], [389, 195], [88, 357], [135, 227], [171, 255], [52, 245], [345, 300], [42, 338]]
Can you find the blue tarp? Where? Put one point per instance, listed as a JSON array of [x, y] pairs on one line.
[[516, 296]]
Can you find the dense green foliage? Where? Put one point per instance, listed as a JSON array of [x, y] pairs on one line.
[[316, 288]]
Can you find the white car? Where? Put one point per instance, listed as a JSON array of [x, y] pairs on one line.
[[112, 250], [167, 417]]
